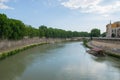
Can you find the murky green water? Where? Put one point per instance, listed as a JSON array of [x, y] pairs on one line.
[[63, 61]]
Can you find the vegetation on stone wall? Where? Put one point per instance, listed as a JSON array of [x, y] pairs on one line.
[[85, 43], [13, 52]]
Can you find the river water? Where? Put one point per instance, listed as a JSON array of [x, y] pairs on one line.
[[61, 61]]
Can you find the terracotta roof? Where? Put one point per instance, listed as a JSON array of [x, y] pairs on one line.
[[114, 25]]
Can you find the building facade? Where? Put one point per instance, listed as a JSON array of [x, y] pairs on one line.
[[113, 30]]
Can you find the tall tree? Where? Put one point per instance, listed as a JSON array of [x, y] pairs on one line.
[[16, 29], [103, 34], [5, 30], [95, 32], [42, 31]]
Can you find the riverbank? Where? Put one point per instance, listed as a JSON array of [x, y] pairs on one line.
[[109, 48], [62, 61], [8, 48]]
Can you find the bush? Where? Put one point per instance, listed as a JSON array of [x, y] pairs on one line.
[[85, 41]]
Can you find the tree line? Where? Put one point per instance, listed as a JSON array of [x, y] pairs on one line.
[[13, 29]]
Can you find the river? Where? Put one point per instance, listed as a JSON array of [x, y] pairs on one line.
[[60, 61]]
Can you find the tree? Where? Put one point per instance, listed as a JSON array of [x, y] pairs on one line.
[[5, 30], [95, 32], [31, 31], [103, 34], [16, 29], [84, 34], [42, 31]]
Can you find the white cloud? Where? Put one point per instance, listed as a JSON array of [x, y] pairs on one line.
[[3, 1], [3, 5], [93, 6]]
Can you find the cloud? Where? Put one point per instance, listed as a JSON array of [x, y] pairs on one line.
[[3, 5], [93, 6], [3, 1]]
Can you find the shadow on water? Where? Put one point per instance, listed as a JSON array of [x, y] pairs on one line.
[[98, 59], [111, 61], [115, 62]]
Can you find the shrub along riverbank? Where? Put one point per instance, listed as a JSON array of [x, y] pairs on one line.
[[113, 54], [85, 43], [13, 52]]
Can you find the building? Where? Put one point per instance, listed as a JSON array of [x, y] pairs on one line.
[[113, 30]]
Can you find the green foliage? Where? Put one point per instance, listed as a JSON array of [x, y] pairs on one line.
[[42, 31], [16, 29], [11, 28], [59, 33], [103, 34], [31, 32], [85, 43], [13, 52], [84, 34], [95, 32], [4, 26], [112, 54]]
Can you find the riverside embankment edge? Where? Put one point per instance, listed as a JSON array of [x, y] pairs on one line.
[[107, 52], [6, 54], [9, 52]]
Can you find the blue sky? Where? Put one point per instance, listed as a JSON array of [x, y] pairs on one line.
[[75, 15]]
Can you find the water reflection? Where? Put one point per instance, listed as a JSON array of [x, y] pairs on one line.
[[111, 61], [111, 66], [63, 61], [13, 67], [98, 59]]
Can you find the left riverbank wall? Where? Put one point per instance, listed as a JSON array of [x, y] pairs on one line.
[[9, 47]]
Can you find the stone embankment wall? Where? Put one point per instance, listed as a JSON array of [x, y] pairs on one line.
[[111, 47], [7, 45], [107, 40], [106, 45]]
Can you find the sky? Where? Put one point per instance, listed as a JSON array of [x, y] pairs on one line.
[[75, 15]]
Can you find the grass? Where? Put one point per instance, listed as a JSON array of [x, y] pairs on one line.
[[13, 52], [112, 54], [85, 43]]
